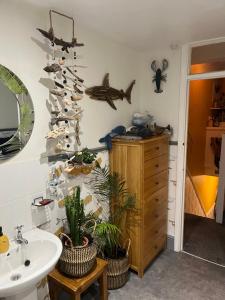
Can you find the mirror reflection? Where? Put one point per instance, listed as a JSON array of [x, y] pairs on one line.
[[16, 114]]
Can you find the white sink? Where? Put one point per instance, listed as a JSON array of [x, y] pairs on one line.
[[43, 251]]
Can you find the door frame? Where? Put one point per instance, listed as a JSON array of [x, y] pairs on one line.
[[182, 132]]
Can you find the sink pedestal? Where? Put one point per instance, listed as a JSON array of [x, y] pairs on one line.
[[28, 295]]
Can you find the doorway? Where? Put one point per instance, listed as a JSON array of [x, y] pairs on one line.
[[203, 235], [206, 63]]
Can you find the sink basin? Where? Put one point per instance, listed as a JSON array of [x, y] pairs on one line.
[[40, 254]]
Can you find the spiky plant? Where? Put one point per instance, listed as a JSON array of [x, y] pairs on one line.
[[107, 238], [111, 187], [75, 216]]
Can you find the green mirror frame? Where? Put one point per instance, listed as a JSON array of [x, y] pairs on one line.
[[20, 136]]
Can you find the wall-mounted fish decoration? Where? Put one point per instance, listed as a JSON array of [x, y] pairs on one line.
[[60, 117], [59, 84], [77, 77], [53, 68], [65, 87], [76, 97], [77, 133], [58, 132], [60, 42], [106, 93], [57, 92], [68, 79]]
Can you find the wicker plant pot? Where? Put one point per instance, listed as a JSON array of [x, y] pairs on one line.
[[118, 271], [77, 261]]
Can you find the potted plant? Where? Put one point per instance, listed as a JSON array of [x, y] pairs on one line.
[[88, 156], [110, 187], [82, 162], [79, 251], [77, 158]]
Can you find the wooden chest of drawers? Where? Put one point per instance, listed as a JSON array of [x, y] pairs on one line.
[[144, 166]]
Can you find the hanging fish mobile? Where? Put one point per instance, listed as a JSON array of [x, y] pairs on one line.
[[60, 42], [159, 76]]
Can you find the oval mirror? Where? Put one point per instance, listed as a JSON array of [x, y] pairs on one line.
[[16, 114]]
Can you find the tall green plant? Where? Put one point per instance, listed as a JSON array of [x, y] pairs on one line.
[[75, 216], [111, 187]]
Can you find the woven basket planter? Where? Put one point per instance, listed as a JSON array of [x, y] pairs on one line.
[[118, 271], [77, 261]]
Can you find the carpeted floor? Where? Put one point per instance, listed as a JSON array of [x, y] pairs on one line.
[[173, 276], [205, 238]]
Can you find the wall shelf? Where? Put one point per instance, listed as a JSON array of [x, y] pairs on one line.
[[67, 156]]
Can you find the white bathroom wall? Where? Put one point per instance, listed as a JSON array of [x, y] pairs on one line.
[[25, 176], [164, 107]]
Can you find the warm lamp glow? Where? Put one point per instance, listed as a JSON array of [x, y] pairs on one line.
[[206, 187], [198, 69], [208, 67]]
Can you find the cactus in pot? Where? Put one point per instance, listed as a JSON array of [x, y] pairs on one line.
[[79, 251], [75, 216]]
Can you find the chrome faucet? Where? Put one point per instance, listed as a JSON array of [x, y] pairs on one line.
[[19, 237]]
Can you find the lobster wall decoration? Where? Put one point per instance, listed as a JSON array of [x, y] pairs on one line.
[[159, 76]]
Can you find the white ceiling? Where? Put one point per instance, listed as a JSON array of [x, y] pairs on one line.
[[147, 24]]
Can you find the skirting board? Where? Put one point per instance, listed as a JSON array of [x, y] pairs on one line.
[[170, 242]]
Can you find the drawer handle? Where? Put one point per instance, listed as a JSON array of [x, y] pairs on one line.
[[156, 231], [157, 148], [156, 247], [156, 182], [157, 165], [156, 200], [156, 215]]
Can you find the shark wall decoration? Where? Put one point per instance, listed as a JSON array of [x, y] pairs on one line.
[[106, 93]]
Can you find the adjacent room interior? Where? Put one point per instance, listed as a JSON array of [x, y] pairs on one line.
[[203, 233], [204, 216]]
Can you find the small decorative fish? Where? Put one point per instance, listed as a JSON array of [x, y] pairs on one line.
[[52, 68], [53, 134], [60, 42], [106, 93], [64, 118], [77, 77], [61, 86], [57, 92], [77, 133], [76, 97]]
